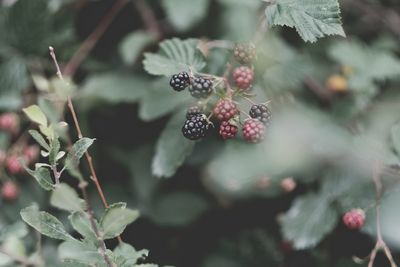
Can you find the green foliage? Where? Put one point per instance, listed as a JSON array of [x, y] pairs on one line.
[[42, 176], [131, 47], [65, 198], [312, 19], [175, 55]]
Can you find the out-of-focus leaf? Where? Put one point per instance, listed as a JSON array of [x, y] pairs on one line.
[[66, 198], [174, 56], [184, 14], [39, 139], [130, 254], [79, 251], [172, 148], [133, 44], [18, 230], [115, 219], [35, 114], [312, 19], [309, 219], [45, 223]]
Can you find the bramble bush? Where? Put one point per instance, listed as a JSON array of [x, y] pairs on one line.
[[204, 133]]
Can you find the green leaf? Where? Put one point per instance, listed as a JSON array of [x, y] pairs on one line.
[[172, 148], [64, 197], [55, 148], [45, 223], [132, 45], [130, 254], [115, 219], [77, 151], [42, 176], [16, 247], [79, 251], [18, 229], [308, 220], [39, 139], [74, 263], [312, 19], [178, 208], [81, 223], [35, 114], [184, 14], [113, 88], [174, 56], [13, 77], [395, 136]]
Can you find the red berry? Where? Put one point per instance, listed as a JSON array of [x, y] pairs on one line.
[[13, 165], [354, 219], [243, 77], [31, 153], [9, 122], [253, 130], [288, 184], [9, 191], [227, 130], [225, 110], [3, 156]]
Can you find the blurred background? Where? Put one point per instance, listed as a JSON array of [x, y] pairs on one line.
[[335, 105]]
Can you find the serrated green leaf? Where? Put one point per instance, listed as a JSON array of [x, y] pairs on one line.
[[174, 56], [308, 220], [184, 14], [64, 197], [45, 223], [35, 114], [115, 219], [39, 139], [79, 251], [312, 19], [133, 44], [42, 176], [77, 151], [172, 148], [81, 223]]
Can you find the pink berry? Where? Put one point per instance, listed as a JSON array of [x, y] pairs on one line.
[[9, 191], [31, 153], [243, 77], [227, 130], [9, 122], [225, 110], [354, 219], [3, 156], [253, 130], [13, 165], [288, 184]]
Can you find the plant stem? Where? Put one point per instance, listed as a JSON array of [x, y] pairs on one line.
[[92, 39], [148, 18]]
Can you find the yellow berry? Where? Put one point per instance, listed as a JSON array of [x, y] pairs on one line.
[[337, 83]]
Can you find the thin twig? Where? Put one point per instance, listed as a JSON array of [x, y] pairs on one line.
[[92, 39], [148, 18]]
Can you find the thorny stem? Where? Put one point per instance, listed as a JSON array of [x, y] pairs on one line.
[[88, 157], [92, 39], [380, 243], [89, 212], [16, 258]]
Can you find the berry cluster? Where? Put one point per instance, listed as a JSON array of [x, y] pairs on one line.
[[225, 109], [11, 156]]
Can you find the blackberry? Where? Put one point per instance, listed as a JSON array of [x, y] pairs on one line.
[[201, 88], [253, 130], [227, 130], [244, 53], [180, 81], [196, 127], [261, 112], [192, 111]]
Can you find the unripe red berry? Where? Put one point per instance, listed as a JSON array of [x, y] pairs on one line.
[[243, 77], [227, 130], [9, 122], [253, 130], [354, 219], [244, 53], [288, 184], [13, 165], [225, 110], [9, 191], [31, 153]]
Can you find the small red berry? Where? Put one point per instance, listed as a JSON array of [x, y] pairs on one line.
[[225, 110], [3, 156], [31, 153], [227, 130], [288, 184], [13, 165], [354, 219], [253, 130], [243, 77], [9, 122], [9, 191]]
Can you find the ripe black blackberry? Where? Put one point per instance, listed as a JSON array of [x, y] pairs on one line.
[[244, 53], [196, 127], [201, 88], [180, 81], [192, 111], [261, 112]]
